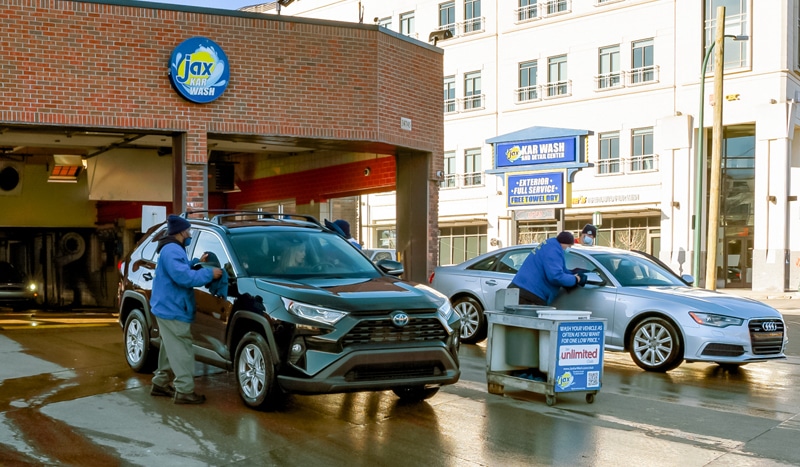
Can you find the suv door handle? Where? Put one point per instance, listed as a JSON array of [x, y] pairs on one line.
[[491, 282], [147, 276]]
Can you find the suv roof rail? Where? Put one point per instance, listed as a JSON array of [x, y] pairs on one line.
[[221, 215]]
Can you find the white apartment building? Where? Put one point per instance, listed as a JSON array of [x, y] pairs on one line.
[[621, 79]]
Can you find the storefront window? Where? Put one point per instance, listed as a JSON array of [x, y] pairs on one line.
[[458, 244]]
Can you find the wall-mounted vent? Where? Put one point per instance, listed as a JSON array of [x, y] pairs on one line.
[[221, 177], [11, 178]]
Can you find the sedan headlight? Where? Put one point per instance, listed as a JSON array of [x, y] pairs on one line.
[[32, 287], [313, 312], [711, 319]]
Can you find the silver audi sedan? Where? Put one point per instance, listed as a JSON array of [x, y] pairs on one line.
[[650, 311]]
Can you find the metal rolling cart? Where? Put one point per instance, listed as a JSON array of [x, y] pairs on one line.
[[545, 351]]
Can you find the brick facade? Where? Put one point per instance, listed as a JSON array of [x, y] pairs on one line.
[[87, 65]]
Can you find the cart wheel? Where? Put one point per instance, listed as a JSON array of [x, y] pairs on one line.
[[550, 400], [590, 398], [495, 388]]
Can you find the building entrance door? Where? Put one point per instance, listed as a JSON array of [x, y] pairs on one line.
[[738, 261]]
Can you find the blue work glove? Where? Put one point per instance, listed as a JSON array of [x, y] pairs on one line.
[[582, 279]]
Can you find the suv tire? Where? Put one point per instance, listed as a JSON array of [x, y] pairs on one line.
[[255, 372], [141, 355]]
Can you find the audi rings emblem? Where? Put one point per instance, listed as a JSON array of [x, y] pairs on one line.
[[769, 326], [399, 319]]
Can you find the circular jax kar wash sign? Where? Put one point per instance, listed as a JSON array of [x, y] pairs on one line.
[[198, 70]]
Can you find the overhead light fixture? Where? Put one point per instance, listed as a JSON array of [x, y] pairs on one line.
[[439, 35], [66, 168]]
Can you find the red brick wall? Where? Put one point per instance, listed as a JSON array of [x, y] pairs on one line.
[[102, 65]]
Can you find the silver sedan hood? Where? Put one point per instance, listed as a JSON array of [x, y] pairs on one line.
[[706, 300]]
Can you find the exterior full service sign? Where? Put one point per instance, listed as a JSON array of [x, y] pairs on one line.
[[579, 365], [538, 189], [198, 70], [535, 189]]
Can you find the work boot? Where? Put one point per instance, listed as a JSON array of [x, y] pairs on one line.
[[189, 398], [165, 391]]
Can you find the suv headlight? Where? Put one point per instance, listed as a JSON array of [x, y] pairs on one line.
[[313, 312], [711, 319], [445, 311]]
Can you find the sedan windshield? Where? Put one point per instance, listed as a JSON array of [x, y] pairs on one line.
[[634, 270]]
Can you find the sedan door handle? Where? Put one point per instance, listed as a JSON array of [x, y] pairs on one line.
[[491, 282], [147, 276]]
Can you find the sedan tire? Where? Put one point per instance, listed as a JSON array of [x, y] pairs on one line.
[[655, 345], [473, 321], [255, 372], [139, 353]]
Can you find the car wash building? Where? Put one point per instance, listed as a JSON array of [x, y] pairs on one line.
[[109, 107]]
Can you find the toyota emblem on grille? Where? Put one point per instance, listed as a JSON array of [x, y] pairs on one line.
[[399, 319], [769, 326]]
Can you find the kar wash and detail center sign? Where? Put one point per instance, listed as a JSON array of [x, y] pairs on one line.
[[538, 171]]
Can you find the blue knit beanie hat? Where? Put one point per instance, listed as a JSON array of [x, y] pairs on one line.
[[177, 224]]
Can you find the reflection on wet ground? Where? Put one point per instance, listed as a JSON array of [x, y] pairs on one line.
[[67, 397]]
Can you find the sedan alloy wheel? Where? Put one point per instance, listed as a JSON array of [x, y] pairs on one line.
[[655, 345], [473, 324]]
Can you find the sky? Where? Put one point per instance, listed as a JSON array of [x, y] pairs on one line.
[[221, 4]]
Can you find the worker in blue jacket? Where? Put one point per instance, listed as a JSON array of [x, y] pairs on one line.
[[544, 272], [172, 302]]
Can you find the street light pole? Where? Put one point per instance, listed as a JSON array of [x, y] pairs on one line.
[[698, 182], [698, 202]]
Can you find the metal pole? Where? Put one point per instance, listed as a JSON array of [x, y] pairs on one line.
[[698, 183], [716, 155]]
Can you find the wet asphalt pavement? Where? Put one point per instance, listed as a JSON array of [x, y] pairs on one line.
[[67, 397]]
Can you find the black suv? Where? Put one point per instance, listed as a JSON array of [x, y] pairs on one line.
[[304, 312]]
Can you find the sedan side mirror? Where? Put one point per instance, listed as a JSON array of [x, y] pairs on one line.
[[593, 278], [393, 268], [688, 278]]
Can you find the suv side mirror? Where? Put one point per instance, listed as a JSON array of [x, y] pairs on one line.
[[393, 268]]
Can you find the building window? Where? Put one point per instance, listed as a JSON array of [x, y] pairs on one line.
[[609, 75], [557, 84], [642, 157], [528, 91], [449, 170], [386, 237], [736, 24], [528, 9], [449, 94], [472, 90], [458, 244], [557, 6], [407, 24], [472, 16], [447, 17], [385, 22], [643, 69], [472, 167], [609, 153]]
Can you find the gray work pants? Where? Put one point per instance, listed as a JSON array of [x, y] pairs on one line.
[[176, 355]]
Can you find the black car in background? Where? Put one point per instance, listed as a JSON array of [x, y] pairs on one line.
[[335, 322], [15, 290]]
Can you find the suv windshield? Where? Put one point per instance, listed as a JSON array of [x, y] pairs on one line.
[[298, 253]]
